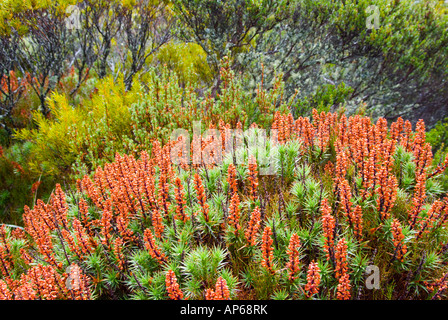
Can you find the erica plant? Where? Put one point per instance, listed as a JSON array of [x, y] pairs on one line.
[[345, 194]]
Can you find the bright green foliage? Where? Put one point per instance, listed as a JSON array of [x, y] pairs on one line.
[[187, 60], [80, 133], [438, 136], [19, 186], [327, 97]]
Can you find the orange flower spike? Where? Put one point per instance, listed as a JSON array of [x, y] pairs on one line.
[[180, 201], [343, 131], [84, 213], [163, 192], [443, 214], [68, 238], [252, 228], [60, 206], [440, 168], [152, 247], [106, 222], [46, 282], [234, 212], [157, 222], [406, 139], [209, 294], [5, 293], [156, 152], [36, 226], [25, 290], [253, 178], [92, 191], [200, 194], [231, 179], [341, 164], [398, 237], [221, 291], [433, 214], [387, 193], [325, 130], [86, 243], [343, 288], [313, 279], [267, 250], [304, 131], [346, 195], [328, 225], [275, 127], [118, 252], [172, 286], [281, 129], [79, 283], [341, 258], [419, 138], [396, 128], [293, 264], [122, 223]]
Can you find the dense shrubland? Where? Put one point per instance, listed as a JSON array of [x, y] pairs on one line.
[[141, 227], [99, 210]]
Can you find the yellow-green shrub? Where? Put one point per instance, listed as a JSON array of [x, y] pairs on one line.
[[91, 131], [188, 60]]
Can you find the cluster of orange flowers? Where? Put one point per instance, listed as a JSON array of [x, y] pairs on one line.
[[231, 179], [221, 291], [284, 126], [313, 279], [354, 215], [267, 250], [293, 264], [398, 238], [40, 281], [435, 217], [148, 190], [438, 286], [253, 178], [200, 194], [328, 225], [253, 226], [234, 212], [341, 270], [180, 202], [172, 286], [152, 247]]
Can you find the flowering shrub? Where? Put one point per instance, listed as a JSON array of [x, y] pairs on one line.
[[345, 194]]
